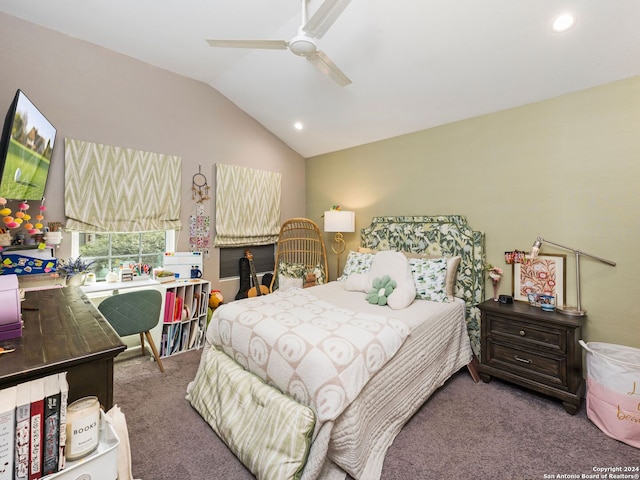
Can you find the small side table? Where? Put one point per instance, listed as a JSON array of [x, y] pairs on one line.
[[532, 348]]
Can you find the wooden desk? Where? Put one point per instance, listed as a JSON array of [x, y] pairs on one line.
[[64, 331]]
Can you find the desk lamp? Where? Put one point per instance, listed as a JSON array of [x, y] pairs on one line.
[[578, 312]]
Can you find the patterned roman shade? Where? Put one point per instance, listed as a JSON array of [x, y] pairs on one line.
[[247, 206], [114, 189]]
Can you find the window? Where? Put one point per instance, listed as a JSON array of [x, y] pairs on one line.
[[263, 259], [110, 250]]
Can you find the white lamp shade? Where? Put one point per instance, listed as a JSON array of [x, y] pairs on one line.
[[339, 221]]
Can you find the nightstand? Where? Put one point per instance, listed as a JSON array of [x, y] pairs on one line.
[[534, 349]]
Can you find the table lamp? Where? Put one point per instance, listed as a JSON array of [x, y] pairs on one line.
[[339, 221], [535, 249]]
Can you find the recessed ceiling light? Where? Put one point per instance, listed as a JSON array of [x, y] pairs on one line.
[[298, 126], [563, 22]]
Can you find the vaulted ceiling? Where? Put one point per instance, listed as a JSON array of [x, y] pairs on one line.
[[414, 64]]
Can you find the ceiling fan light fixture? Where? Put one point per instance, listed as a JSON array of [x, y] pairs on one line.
[[302, 45]]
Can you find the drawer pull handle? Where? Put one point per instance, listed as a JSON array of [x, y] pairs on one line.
[[522, 333], [523, 360]]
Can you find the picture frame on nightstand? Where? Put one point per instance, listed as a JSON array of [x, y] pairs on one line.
[[544, 274]]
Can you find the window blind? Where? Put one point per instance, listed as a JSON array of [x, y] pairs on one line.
[[247, 206], [114, 189]]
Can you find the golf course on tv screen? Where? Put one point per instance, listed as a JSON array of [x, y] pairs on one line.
[[25, 173], [27, 146]]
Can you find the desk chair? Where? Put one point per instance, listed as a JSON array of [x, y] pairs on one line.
[[134, 312]]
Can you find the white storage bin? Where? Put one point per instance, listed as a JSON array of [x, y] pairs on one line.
[[101, 464], [613, 390]]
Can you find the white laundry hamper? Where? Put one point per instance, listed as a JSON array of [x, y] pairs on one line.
[[613, 390]]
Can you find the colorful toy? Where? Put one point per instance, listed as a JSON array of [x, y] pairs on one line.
[[215, 299]]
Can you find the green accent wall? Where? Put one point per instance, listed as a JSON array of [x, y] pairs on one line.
[[567, 169]]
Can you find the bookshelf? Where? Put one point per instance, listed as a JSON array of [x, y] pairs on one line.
[[177, 331], [185, 316]]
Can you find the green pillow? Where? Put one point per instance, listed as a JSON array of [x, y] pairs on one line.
[[269, 432], [382, 288]]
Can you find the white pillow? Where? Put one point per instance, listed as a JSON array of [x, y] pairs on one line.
[[396, 265], [452, 276], [358, 282], [452, 268], [285, 283]]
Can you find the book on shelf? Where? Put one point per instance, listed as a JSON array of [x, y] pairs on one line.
[[169, 305], [51, 431], [175, 338], [37, 424], [185, 336], [163, 344], [22, 431], [193, 334], [30, 440], [7, 431], [177, 314], [62, 427]]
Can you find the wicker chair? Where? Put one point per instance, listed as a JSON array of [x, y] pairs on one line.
[[300, 241]]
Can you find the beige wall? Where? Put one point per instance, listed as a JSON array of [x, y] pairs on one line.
[[567, 169], [93, 94]]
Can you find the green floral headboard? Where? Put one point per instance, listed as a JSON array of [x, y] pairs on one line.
[[446, 235]]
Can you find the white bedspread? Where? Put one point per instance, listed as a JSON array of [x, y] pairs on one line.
[[320, 354], [357, 440]]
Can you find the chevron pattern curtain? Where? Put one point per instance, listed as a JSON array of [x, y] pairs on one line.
[[247, 206], [114, 189]]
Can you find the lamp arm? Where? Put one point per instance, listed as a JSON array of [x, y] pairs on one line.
[[579, 252]]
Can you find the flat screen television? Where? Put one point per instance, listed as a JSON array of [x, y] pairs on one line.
[[25, 151]]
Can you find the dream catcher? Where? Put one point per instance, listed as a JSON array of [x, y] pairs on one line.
[[199, 187]]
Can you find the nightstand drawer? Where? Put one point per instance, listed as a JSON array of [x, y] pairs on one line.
[[527, 333], [550, 370]]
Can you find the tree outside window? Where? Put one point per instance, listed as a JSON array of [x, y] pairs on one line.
[[111, 250]]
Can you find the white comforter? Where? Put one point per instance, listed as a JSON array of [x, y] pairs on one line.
[[318, 353], [356, 441]]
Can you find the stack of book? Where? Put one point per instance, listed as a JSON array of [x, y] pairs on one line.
[[33, 428]]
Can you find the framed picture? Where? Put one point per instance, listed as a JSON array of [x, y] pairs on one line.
[[543, 275]]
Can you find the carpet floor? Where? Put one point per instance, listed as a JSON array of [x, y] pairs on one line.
[[465, 431]]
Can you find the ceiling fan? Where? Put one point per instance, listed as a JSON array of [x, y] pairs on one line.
[[303, 43]]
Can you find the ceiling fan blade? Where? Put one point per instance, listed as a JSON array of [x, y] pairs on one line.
[[272, 44], [330, 69], [324, 17]]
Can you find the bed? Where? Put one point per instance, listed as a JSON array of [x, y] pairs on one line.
[[327, 427]]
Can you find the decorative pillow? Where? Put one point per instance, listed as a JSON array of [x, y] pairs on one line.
[[356, 263], [429, 275], [396, 265], [452, 276], [382, 288], [291, 270], [452, 267], [285, 283], [244, 404], [358, 282]]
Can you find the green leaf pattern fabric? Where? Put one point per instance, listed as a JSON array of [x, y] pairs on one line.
[[429, 275], [357, 262]]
